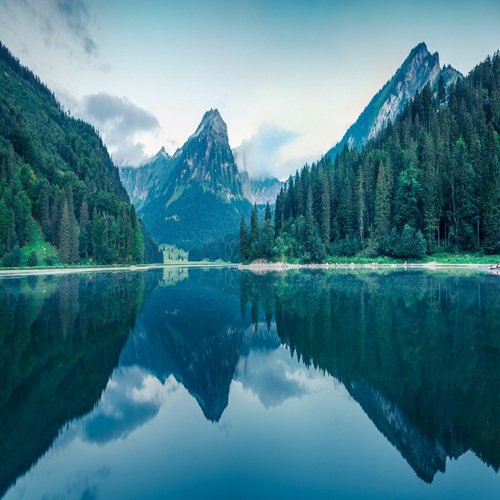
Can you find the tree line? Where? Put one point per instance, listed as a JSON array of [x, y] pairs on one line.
[[428, 183], [61, 198]]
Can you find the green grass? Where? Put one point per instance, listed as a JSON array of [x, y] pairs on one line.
[[462, 258], [440, 258], [44, 251]]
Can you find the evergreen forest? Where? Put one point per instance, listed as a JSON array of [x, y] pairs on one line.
[[61, 199], [428, 183]]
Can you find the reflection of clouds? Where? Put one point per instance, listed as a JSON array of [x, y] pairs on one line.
[[83, 485], [274, 376], [132, 398]]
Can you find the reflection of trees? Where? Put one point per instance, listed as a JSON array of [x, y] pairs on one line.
[[61, 338], [427, 346]]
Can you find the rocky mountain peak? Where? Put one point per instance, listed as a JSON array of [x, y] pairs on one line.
[[162, 153], [419, 69], [212, 125]]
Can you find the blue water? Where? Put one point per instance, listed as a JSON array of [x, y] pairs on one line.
[[223, 384]]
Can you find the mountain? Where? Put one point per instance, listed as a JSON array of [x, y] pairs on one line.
[[195, 196], [428, 183], [61, 199], [419, 69], [260, 191], [139, 182]]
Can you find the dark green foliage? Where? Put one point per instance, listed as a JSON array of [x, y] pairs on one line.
[[54, 172], [32, 259], [244, 243], [13, 258], [226, 248], [429, 182], [193, 219]]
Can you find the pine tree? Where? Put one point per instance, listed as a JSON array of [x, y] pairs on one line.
[[84, 229], [382, 203], [279, 213], [64, 234], [254, 233], [244, 245], [267, 238], [325, 222], [361, 206], [309, 228]]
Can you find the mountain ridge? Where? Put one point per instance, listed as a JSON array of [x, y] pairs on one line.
[[417, 70]]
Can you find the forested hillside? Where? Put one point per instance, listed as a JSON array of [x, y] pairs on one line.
[[428, 183], [61, 199]]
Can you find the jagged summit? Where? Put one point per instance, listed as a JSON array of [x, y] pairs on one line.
[[162, 153], [212, 124], [419, 69], [196, 195], [420, 48]]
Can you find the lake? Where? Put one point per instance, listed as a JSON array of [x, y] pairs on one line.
[[220, 383]]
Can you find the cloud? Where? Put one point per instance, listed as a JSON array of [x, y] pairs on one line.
[[59, 23], [274, 376], [262, 154], [131, 399], [77, 17], [121, 123]]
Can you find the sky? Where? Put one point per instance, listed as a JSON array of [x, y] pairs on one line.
[[288, 76]]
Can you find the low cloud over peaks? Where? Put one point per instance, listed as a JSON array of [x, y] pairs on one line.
[[262, 154], [125, 117], [122, 124]]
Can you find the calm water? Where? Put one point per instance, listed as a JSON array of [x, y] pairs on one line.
[[225, 384]]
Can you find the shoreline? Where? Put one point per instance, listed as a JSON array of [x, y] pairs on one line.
[[78, 270], [254, 267], [283, 266]]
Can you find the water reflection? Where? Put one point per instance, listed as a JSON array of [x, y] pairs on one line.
[[419, 352], [61, 338]]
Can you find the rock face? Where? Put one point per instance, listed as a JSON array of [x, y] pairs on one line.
[[419, 69], [198, 195], [195, 196], [139, 182]]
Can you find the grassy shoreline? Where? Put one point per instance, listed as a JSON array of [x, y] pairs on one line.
[[438, 261]]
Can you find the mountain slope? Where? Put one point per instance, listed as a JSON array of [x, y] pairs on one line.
[[139, 182], [427, 184], [60, 194], [194, 197], [419, 69]]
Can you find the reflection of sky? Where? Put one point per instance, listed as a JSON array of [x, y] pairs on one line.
[[288, 431], [273, 376]]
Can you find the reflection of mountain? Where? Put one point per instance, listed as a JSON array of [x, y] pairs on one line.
[[197, 332], [414, 350], [61, 338], [192, 330], [419, 352]]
